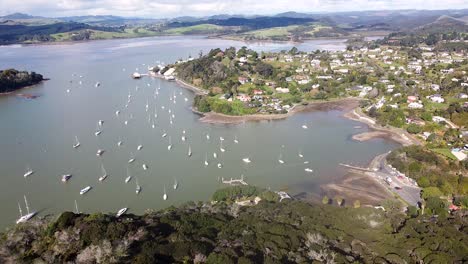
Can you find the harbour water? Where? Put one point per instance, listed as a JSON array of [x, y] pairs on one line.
[[40, 133]]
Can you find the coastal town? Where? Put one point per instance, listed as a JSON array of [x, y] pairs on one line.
[[417, 95]]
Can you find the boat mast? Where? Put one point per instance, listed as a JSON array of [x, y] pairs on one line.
[[21, 211], [26, 202], [76, 207]]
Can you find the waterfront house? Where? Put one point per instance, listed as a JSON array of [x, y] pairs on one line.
[[411, 99], [244, 98], [415, 105], [243, 80], [257, 92], [437, 98], [282, 90]]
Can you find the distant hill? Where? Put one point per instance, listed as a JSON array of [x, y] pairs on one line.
[[19, 16], [444, 24], [248, 23]]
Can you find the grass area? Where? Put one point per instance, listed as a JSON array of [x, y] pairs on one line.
[[317, 28], [97, 34], [272, 32], [446, 152], [202, 28]]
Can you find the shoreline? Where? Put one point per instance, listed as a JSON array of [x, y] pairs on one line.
[[342, 104], [22, 88]]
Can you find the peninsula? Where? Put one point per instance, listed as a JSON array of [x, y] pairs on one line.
[[12, 80]]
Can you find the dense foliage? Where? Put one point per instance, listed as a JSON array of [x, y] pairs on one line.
[[435, 174], [12, 79], [270, 232]]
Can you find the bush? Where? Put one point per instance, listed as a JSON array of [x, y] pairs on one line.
[[431, 192], [414, 129]]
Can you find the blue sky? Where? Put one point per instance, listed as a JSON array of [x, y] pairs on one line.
[[173, 8]]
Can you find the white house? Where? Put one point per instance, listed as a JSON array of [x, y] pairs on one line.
[[282, 90], [415, 105]]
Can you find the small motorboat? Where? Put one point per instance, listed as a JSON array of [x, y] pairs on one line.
[[121, 212], [100, 152], [85, 190], [308, 170], [246, 160]]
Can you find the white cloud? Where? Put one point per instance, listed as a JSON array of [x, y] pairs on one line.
[[172, 8]]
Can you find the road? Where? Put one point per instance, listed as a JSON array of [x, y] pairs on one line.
[[407, 188]]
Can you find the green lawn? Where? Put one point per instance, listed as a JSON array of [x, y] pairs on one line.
[[202, 28], [445, 152], [271, 32]]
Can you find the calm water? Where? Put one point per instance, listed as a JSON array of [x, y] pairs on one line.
[[40, 133]]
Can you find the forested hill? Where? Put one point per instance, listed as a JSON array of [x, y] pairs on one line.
[[248, 23], [225, 232], [12, 79]]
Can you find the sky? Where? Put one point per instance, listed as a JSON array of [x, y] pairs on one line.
[[174, 8]]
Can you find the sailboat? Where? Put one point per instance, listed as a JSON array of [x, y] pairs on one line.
[[304, 127], [119, 143], [145, 167], [189, 151], [98, 132], [165, 194], [100, 152], [206, 159], [308, 170], [77, 143], [280, 159], [132, 159], [246, 160], [129, 177], [176, 184], [121, 212], [97, 84], [101, 122], [220, 166], [28, 172], [221, 146], [300, 154], [138, 187], [235, 140], [139, 147], [85, 190], [207, 136], [66, 177], [26, 217], [215, 155], [169, 147], [117, 113], [104, 173], [221, 138]]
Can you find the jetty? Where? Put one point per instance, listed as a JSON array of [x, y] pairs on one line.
[[235, 181], [355, 167]]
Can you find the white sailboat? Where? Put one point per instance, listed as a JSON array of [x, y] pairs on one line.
[[176, 184], [189, 153], [308, 170], [119, 143], [215, 155], [169, 147], [138, 187], [100, 152], [85, 190], [206, 159], [129, 177], [121, 212], [300, 154], [164, 135], [246, 160], [207, 136], [221, 147], [140, 147], [304, 127], [280, 159], [77, 143], [221, 138], [28, 172], [117, 113], [132, 158], [235, 140], [145, 167], [101, 122], [97, 84], [220, 165], [26, 217], [104, 173], [165, 194]]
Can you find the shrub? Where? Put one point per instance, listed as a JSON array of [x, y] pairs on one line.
[[414, 129]]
